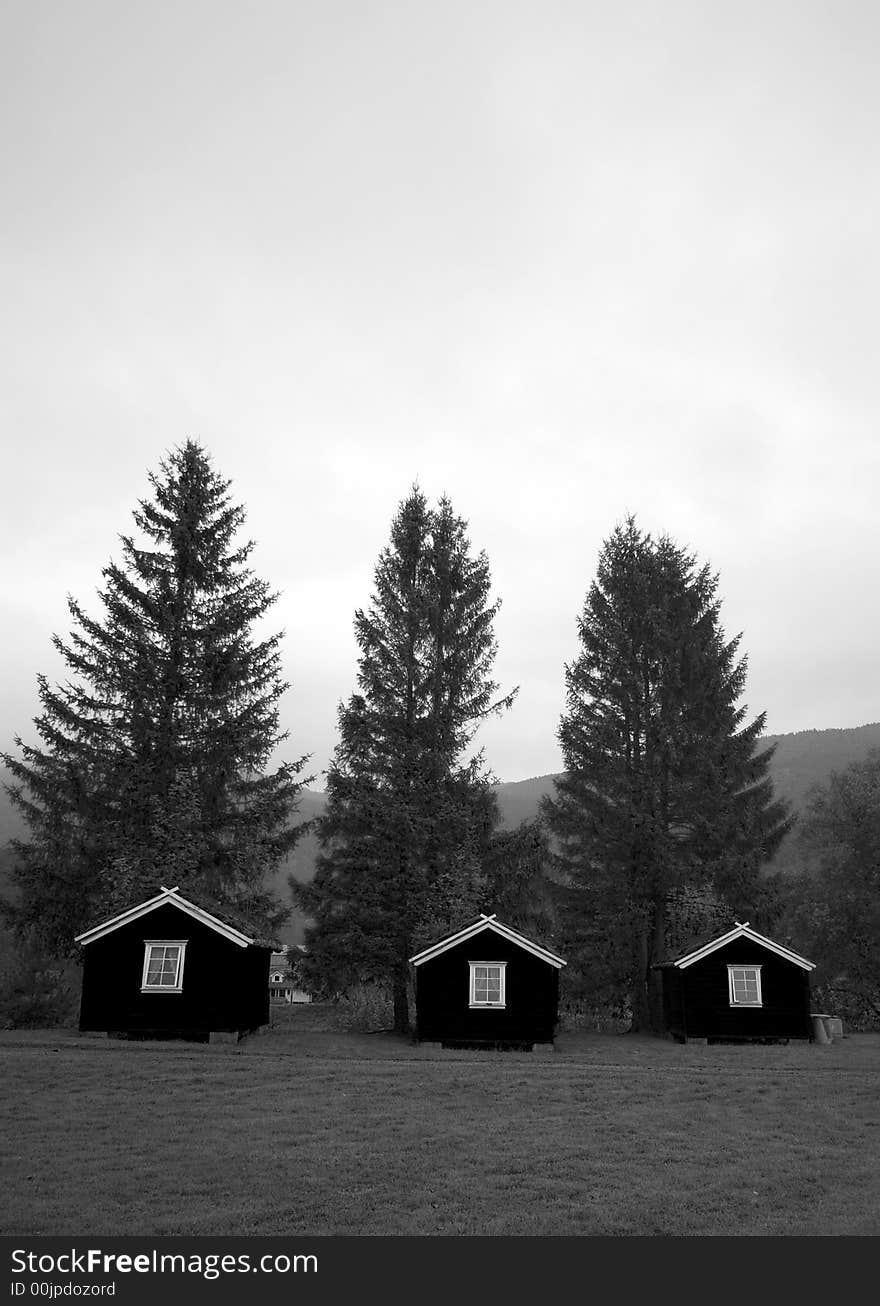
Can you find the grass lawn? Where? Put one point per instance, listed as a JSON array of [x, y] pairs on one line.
[[309, 1132]]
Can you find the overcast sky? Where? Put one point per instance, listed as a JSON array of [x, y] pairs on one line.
[[560, 261]]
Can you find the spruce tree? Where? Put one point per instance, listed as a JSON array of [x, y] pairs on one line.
[[516, 884], [666, 787], [151, 765], [409, 815]]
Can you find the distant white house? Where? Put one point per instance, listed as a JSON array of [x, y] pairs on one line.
[[281, 987]]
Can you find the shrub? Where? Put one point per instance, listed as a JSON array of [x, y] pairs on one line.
[[366, 1007], [37, 991], [579, 1014], [839, 998]]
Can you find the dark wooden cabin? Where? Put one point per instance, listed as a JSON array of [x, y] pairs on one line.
[[739, 987], [486, 986], [169, 968]]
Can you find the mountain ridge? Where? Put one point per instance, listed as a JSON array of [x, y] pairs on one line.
[[802, 759]]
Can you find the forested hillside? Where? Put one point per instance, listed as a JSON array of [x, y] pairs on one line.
[[801, 760]]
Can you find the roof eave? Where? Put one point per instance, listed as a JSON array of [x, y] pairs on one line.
[[478, 927], [166, 897], [739, 932]]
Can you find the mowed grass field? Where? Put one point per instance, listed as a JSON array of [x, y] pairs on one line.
[[299, 1132]]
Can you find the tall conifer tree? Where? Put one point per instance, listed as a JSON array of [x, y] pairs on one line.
[[409, 816], [665, 785], [151, 765]]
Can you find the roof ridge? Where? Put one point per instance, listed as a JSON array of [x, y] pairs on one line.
[[739, 930], [484, 922]]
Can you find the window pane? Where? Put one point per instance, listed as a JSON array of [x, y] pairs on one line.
[[745, 985], [162, 966], [487, 985]]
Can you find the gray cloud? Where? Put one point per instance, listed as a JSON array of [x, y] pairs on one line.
[[557, 261]]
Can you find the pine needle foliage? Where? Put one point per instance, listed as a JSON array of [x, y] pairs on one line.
[[666, 787], [151, 765], [409, 813]]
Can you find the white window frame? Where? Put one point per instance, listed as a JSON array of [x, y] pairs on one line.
[[488, 1006], [756, 970], [177, 986]]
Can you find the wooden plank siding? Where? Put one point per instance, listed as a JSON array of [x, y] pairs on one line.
[[443, 1006], [696, 998], [225, 986]]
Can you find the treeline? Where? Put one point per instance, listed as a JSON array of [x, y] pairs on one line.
[[153, 767]]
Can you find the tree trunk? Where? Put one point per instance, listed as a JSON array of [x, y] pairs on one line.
[[401, 1000], [641, 1015], [654, 978]]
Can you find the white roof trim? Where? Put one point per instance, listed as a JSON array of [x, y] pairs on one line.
[[488, 923], [743, 932], [173, 898]]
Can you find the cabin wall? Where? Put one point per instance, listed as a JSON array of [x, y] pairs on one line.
[[443, 995], [785, 992], [225, 987]]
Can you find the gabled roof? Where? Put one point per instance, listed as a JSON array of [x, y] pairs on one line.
[[168, 897], [494, 926], [741, 932], [285, 953]]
